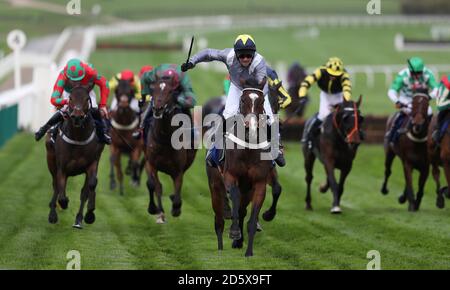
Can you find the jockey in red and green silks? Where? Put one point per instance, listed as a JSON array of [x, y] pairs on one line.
[[78, 73], [185, 96]]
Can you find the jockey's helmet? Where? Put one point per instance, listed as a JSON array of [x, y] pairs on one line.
[[335, 66], [244, 44], [415, 65], [75, 70]]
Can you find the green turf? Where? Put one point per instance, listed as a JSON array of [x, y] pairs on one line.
[[126, 237]]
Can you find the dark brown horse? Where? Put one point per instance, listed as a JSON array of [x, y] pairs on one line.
[[159, 152], [124, 121], [75, 151], [244, 176], [411, 148], [336, 148], [440, 156]]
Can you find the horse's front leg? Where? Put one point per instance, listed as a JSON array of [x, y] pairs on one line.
[[389, 158], [92, 185], [63, 200], [342, 178], [112, 162], [83, 198], [424, 172], [440, 202], [135, 166], [276, 192], [176, 196], [232, 188], [257, 202], [53, 216], [329, 168], [155, 186], [118, 166], [309, 166], [409, 193]]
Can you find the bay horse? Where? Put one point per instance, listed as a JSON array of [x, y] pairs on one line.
[[244, 175], [439, 155], [411, 148], [124, 121], [76, 150], [159, 152], [336, 147]]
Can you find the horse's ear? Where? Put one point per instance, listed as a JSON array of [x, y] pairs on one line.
[[358, 103]]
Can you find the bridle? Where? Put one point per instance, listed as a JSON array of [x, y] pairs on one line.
[[355, 129]]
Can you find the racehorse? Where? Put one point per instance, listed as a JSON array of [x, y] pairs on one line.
[[124, 121], [244, 174], [439, 155], [296, 74], [76, 150], [336, 148], [411, 148], [159, 152]]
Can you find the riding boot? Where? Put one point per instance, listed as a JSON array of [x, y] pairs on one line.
[[437, 136], [144, 123], [101, 127], [395, 131], [55, 119], [280, 156], [215, 153], [312, 131]]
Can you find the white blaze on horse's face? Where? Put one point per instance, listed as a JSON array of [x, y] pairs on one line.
[[162, 86], [253, 122]]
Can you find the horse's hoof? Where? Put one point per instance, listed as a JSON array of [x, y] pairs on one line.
[[89, 218], [440, 202], [237, 244], [176, 212], [308, 207], [323, 188], [63, 203], [152, 209], [161, 219], [235, 234], [412, 207], [249, 253], [53, 218], [77, 226], [258, 227], [402, 199], [384, 190], [336, 210], [445, 192], [268, 215]]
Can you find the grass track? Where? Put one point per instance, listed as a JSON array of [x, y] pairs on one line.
[[126, 237]]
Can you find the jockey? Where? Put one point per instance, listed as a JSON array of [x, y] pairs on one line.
[[284, 99], [76, 73], [185, 96], [335, 87], [415, 78], [443, 106], [242, 62], [129, 76], [145, 69]]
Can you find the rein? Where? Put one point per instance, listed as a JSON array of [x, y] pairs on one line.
[[355, 129]]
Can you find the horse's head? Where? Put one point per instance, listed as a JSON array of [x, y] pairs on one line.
[[419, 112], [124, 94], [79, 104], [252, 102], [348, 120], [163, 100]]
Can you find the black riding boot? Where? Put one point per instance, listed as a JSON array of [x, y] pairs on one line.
[[100, 126], [55, 119], [437, 136], [144, 123], [280, 156], [311, 131]]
